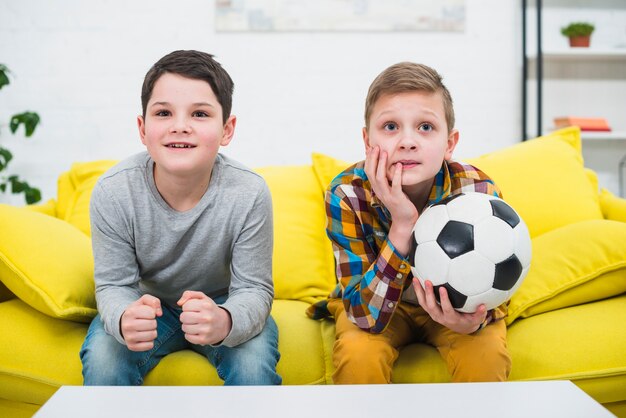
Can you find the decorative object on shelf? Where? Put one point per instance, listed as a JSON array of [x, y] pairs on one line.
[[30, 120], [579, 33], [585, 124]]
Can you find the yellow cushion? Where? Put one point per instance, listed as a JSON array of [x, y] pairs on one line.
[[48, 208], [584, 344], [303, 264], [613, 207], [326, 168], [38, 354], [575, 264], [74, 189], [544, 180], [47, 263]]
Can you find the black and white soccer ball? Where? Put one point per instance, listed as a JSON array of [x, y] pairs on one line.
[[473, 244]]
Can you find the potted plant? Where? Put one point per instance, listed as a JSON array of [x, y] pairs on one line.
[[579, 33], [30, 120]]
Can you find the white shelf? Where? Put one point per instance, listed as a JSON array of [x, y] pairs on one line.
[[591, 53], [597, 136], [604, 136]]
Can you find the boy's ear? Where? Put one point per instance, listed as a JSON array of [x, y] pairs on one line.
[[229, 130], [366, 139], [453, 139], [141, 124]]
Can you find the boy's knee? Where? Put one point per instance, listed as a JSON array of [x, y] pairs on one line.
[[362, 358], [487, 363]]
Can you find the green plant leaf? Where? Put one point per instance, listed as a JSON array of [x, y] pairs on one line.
[[32, 195], [4, 77], [17, 186], [5, 157], [30, 120]]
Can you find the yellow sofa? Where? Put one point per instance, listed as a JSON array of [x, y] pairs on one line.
[[567, 321]]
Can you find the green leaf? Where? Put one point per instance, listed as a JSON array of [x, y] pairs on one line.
[[17, 186], [32, 195], [5, 157], [30, 120], [4, 78]]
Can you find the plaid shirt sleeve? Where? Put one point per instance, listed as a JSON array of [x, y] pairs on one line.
[[371, 272]]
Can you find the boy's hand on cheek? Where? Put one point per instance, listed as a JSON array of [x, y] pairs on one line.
[[138, 324], [203, 321], [445, 314], [403, 212]]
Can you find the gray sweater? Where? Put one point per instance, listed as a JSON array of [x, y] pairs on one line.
[[223, 245]]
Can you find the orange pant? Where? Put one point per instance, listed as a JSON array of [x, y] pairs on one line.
[[361, 357]]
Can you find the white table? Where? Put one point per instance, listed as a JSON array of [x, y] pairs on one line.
[[462, 400]]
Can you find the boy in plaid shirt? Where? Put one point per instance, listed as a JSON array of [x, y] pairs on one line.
[[372, 206]]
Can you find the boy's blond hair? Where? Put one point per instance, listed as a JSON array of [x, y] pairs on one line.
[[406, 77]]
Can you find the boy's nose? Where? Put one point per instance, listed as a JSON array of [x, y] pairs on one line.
[[408, 141], [180, 125]]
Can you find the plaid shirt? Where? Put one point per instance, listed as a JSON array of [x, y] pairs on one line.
[[372, 274]]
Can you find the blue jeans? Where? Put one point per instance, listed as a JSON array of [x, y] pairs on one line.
[[106, 362]]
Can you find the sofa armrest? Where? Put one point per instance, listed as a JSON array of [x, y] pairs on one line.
[[613, 207]]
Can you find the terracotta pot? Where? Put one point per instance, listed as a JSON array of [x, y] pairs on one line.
[[579, 41]]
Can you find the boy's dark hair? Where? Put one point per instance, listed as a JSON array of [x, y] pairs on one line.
[[406, 77], [195, 65]]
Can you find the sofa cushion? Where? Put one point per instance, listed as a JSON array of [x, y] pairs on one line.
[[544, 180], [613, 207], [38, 353], [300, 344], [49, 349], [74, 189], [574, 264], [326, 168], [584, 344], [47, 263], [303, 266]]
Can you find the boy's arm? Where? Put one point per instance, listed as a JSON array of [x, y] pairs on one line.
[[371, 280], [116, 273], [251, 289]]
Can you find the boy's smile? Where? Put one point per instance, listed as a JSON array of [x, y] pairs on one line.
[[410, 129]]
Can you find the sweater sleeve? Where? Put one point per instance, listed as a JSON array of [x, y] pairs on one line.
[[116, 272], [251, 290]]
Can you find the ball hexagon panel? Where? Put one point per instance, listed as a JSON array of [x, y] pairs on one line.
[[430, 223], [494, 239], [470, 208], [492, 298], [431, 263], [456, 238], [471, 273]]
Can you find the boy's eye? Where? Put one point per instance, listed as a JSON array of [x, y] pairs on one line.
[[162, 113], [390, 126], [426, 127], [199, 114]]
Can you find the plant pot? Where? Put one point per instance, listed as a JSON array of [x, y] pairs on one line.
[[580, 41]]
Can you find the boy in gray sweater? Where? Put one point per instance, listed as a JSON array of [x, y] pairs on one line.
[[182, 240]]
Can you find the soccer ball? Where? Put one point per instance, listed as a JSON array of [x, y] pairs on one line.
[[473, 244]]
